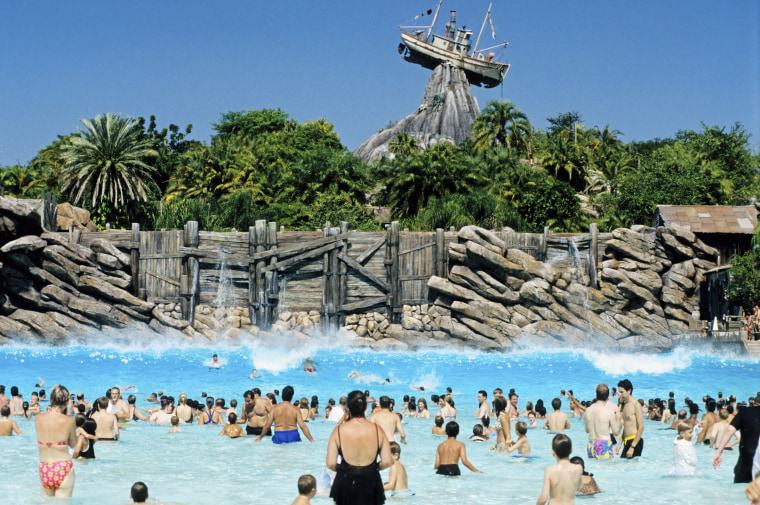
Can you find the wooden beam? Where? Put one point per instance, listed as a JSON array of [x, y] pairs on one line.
[[372, 250], [365, 272], [284, 265], [284, 252], [163, 278], [432, 244], [363, 304]]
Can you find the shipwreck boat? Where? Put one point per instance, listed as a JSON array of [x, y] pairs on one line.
[[421, 46]]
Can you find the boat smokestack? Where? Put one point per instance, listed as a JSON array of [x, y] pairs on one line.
[[453, 24]]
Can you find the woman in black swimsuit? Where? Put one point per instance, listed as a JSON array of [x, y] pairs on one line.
[[358, 442]]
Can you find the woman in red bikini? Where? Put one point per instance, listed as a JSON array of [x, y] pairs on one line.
[[55, 433]]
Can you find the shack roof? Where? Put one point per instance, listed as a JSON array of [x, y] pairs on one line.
[[708, 218]]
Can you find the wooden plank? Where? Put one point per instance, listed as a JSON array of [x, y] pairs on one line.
[[284, 252], [418, 248], [372, 250], [342, 274], [134, 260], [418, 277], [362, 304], [163, 278], [366, 273], [283, 265]]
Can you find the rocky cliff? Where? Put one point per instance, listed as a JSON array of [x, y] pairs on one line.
[[499, 298], [446, 114]]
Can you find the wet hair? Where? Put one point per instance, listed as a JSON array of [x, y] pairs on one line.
[[232, 418], [59, 396], [423, 402], [406, 398], [81, 408], [556, 404], [693, 408], [486, 421], [562, 445], [625, 384], [5, 411], [683, 427], [477, 430], [602, 393], [287, 393], [512, 393], [499, 405], [412, 405], [14, 390], [272, 398], [452, 429], [306, 484], [385, 402], [2, 390], [434, 398], [483, 392], [304, 403], [529, 406], [131, 399], [449, 399], [438, 421], [102, 403], [139, 492], [395, 448], [540, 407], [357, 403], [710, 405], [314, 402], [577, 460], [521, 428]]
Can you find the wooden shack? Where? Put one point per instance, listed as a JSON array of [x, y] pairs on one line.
[[727, 229]]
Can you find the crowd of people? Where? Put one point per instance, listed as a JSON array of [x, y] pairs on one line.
[[369, 433]]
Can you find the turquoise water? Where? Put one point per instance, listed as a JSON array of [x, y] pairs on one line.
[[197, 466]]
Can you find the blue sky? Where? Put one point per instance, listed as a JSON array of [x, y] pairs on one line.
[[646, 68]]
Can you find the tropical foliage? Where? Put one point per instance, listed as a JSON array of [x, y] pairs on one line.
[[262, 164]]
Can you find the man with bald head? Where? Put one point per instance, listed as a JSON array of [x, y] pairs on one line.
[[600, 423]]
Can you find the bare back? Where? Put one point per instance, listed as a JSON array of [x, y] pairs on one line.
[[557, 421], [55, 431], [561, 481], [600, 422], [389, 422]]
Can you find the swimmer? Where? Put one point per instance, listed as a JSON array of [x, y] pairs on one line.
[[354, 374], [7, 425], [139, 493], [388, 421], [254, 374], [438, 428], [562, 480], [232, 430], [522, 446], [40, 384], [310, 366], [287, 419], [589, 484], [449, 453], [153, 398], [215, 362], [397, 479], [307, 488], [477, 434], [418, 388], [175, 425], [557, 421]]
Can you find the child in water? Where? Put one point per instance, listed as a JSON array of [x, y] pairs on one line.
[[522, 446], [175, 425], [307, 488], [684, 455], [562, 480], [449, 453], [397, 480], [438, 428], [589, 484]]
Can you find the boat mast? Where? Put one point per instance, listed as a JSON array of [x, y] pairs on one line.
[[482, 28], [430, 30]]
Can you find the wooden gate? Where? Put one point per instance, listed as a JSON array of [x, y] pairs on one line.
[[160, 266]]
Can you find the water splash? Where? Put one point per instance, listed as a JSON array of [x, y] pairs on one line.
[[223, 289]]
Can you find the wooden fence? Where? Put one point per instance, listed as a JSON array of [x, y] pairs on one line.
[[333, 271]]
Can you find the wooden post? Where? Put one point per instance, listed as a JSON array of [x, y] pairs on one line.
[[252, 291], [134, 259], [333, 298], [343, 276], [593, 255], [261, 239], [440, 253], [191, 290], [543, 244], [271, 288], [393, 273], [324, 322]]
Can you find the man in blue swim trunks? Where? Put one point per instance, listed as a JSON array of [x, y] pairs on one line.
[[287, 419]]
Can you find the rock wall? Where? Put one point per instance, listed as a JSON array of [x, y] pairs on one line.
[[446, 114]]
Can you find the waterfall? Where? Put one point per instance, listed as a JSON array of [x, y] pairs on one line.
[[225, 284]]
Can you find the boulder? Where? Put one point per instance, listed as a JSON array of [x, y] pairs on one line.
[[464, 276], [486, 238], [100, 245], [451, 290], [26, 244], [537, 291], [497, 265], [676, 248], [69, 216], [94, 285]]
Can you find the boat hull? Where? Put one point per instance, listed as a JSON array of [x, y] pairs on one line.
[[479, 71]]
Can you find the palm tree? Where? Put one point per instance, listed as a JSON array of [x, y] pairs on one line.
[[404, 145], [501, 124], [107, 162]]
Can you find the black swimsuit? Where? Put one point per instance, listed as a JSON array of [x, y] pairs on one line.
[[358, 485]]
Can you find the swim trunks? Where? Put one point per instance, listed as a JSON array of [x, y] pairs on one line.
[[286, 437], [53, 474], [599, 449], [636, 450], [310, 370], [256, 431], [452, 470]]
